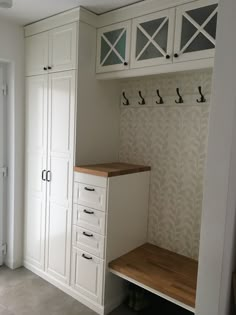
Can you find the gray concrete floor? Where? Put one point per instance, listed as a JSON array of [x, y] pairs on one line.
[[24, 293]]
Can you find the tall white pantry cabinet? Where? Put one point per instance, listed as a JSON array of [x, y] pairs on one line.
[[50, 125]]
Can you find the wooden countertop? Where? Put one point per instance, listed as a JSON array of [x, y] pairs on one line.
[[164, 273], [111, 169]]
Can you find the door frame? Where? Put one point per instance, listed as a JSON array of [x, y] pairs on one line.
[[3, 155]]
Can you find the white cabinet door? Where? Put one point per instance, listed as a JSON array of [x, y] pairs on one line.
[[152, 39], [195, 35], [62, 48], [87, 275], [113, 47], [60, 177], [36, 54], [36, 148]]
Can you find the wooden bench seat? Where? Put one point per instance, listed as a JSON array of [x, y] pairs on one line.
[[162, 272]]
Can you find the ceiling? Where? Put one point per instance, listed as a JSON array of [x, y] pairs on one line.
[[28, 11]]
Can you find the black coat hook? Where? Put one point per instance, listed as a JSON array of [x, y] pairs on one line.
[[126, 103], [202, 99], [161, 99], [180, 101], [142, 99]]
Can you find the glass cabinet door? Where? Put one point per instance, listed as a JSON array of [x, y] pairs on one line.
[[152, 39], [113, 44], [196, 30]]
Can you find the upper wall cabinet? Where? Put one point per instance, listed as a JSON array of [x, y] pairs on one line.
[[152, 39], [113, 44], [51, 51], [164, 38], [195, 35]]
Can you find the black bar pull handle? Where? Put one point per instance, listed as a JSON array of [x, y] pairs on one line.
[[88, 212], [43, 175], [48, 176], [86, 257], [88, 235], [89, 189]]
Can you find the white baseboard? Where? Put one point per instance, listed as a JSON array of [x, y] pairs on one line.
[[12, 264], [68, 290]]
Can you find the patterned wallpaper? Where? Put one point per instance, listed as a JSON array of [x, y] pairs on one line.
[[172, 139]]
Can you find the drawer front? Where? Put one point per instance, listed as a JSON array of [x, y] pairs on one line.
[[91, 219], [89, 241], [87, 275], [90, 196], [90, 179]]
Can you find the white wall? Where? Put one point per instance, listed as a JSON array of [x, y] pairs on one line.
[[98, 107], [217, 244], [12, 51]]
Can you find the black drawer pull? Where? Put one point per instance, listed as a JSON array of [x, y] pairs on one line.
[[89, 258], [88, 212], [89, 189], [88, 235], [43, 175]]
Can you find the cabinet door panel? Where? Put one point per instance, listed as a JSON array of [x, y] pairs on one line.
[[36, 54], [113, 47], [195, 36], [152, 39], [62, 48], [60, 164], [36, 147], [87, 274]]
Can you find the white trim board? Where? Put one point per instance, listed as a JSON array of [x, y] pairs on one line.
[[78, 14], [161, 69], [136, 10], [162, 295]]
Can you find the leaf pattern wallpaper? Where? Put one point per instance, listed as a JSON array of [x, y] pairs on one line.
[[172, 139]]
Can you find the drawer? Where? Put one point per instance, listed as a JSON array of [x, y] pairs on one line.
[[91, 219], [87, 275], [89, 241], [90, 196], [90, 179]]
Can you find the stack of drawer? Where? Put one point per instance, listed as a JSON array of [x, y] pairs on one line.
[[88, 235]]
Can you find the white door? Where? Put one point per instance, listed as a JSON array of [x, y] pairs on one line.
[[113, 47], [152, 39], [87, 275], [195, 36], [36, 165], [62, 48], [3, 128], [36, 58], [60, 175]]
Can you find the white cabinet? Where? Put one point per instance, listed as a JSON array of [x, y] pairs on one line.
[[87, 275], [109, 220], [195, 36], [49, 172], [51, 51], [183, 33], [152, 39], [113, 47]]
